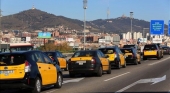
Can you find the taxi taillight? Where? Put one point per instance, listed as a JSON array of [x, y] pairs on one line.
[[93, 61], [27, 66]]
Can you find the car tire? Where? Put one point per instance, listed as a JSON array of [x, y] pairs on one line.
[[124, 66], [66, 69], [110, 70], [100, 72], [59, 81], [37, 86], [71, 74], [135, 62], [119, 65]]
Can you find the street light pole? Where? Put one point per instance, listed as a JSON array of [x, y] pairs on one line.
[[131, 17], [85, 7]]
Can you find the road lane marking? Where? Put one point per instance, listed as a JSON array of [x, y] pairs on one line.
[[151, 80], [67, 81], [117, 76], [158, 61], [73, 80], [51, 91]]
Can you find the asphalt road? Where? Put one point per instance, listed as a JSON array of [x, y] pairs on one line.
[[151, 76]]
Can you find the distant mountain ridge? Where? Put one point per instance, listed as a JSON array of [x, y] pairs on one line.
[[34, 19]]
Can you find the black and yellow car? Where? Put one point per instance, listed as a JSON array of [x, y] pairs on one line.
[[59, 58], [132, 56], [166, 50], [88, 61], [152, 51], [116, 57], [28, 69]]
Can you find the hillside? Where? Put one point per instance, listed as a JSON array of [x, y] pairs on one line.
[[36, 20]]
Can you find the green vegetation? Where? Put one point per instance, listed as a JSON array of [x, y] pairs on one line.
[[64, 48]]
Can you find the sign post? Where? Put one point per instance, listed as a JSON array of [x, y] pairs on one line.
[[169, 28], [157, 27]]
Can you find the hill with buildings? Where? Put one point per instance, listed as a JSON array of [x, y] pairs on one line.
[[34, 19]]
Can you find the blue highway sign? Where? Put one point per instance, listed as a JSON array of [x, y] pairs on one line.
[[157, 27]]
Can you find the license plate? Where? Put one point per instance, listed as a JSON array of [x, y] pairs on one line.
[[81, 62], [6, 72]]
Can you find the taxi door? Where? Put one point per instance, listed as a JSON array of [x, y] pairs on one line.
[[122, 58], [105, 61], [52, 71], [43, 68], [61, 60]]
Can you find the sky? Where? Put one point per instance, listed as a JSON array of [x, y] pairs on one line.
[[96, 9]]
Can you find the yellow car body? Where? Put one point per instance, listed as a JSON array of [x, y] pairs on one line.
[[24, 69], [60, 58], [152, 51], [116, 57]]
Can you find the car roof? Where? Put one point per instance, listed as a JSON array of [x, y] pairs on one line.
[[19, 52], [126, 48], [108, 47], [87, 51]]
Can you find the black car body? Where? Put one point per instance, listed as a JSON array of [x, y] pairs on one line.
[[166, 50], [132, 55], [89, 61]]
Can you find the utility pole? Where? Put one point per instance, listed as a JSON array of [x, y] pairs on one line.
[[0, 27], [85, 7]]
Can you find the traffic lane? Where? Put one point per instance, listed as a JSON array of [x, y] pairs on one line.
[[100, 84], [96, 80], [161, 71], [89, 82]]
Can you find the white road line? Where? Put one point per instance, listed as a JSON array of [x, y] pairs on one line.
[[51, 91], [158, 61], [117, 76]]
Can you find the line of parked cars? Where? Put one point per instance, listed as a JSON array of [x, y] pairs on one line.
[[36, 69]]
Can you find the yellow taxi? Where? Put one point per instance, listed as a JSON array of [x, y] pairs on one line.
[[152, 51], [28, 69], [116, 57], [132, 56], [59, 58], [89, 61]]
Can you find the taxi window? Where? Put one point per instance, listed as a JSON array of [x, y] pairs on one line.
[[107, 51], [12, 59], [84, 54], [150, 47], [126, 50]]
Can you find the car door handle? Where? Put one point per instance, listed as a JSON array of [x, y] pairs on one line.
[[39, 67], [48, 67]]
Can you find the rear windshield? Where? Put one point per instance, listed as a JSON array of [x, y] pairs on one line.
[[11, 59], [150, 47], [107, 51], [50, 53], [127, 50], [84, 54], [129, 46], [164, 47]]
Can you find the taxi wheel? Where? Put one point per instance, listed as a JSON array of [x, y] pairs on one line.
[[124, 66], [136, 62], [119, 65], [37, 87], [59, 81], [109, 71], [66, 69], [158, 57], [100, 72]]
